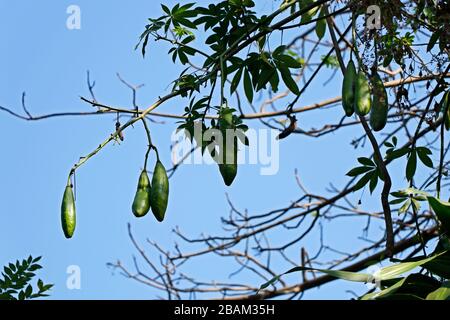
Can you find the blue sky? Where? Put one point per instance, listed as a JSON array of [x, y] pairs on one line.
[[41, 56]]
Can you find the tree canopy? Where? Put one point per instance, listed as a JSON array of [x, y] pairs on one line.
[[239, 63]]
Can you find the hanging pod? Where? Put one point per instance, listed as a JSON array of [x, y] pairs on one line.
[[227, 152], [228, 165], [362, 94], [68, 213], [160, 191], [380, 104], [348, 89], [141, 202]]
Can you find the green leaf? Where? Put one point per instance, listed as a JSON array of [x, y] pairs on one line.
[[415, 204], [397, 201], [363, 181], [397, 153], [366, 161], [373, 182], [404, 207], [358, 170], [442, 210], [144, 44], [443, 293], [264, 77], [398, 269], [414, 285], [424, 150], [415, 192], [321, 26], [165, 9], [400, 194], [287, 79], [248, 88], [8, 271], [307, 16], [34, 267], [411, 166], [387, 60], [440, 266], [278, 52], [28, 291], [423, 156], [236, 79], [433, 39], [47, 287], [40, 284], [274, 81], [289, 61], [182, 56], [345, 275]]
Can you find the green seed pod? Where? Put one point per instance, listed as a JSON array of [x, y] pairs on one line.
[[68, 213], [362, 94], [141, 202], [227, 154], [380, 105], [348, 89], [228, 166], [160, 192]]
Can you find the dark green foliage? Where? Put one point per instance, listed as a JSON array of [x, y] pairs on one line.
[[15, 283]]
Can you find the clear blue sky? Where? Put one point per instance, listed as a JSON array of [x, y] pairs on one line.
[[39, 55]]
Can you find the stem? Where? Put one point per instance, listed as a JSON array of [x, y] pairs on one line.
[[150, 144], [441, 156], [416, 221], [222, 80], [113, 136]]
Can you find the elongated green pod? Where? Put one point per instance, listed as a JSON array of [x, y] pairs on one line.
[[68, 213], [362, 94], [228, 166], [380, 104], [159, 195], [348, 89], [228, 151], [141, 202]]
